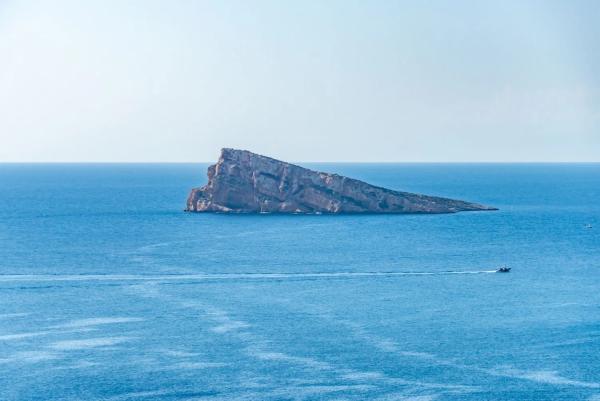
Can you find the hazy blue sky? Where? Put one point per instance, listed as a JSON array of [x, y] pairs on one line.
[[300, 80]]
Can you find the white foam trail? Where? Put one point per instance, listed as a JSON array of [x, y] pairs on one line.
[[179, 354], [542, 376], [282, 357], [87, 343], [29, 357], [21, 336], [78, 365], [198, 365], [98, 321], [12, 315], [227, 276]]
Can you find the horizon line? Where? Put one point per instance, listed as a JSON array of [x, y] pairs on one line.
[[319, 162]]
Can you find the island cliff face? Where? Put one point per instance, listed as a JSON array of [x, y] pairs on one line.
[[244, 182]]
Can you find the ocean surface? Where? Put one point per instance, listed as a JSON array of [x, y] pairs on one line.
[[109, 291]]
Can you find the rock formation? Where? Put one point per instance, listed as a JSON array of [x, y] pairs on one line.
[[244, 182]]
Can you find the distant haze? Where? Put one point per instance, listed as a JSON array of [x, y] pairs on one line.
[[300, 80]]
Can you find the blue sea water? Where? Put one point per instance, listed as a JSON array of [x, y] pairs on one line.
[[109, 291]]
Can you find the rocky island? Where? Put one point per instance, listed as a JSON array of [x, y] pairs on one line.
[[245, 182]]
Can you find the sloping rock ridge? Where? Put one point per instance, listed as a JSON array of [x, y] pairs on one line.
[[245, 182]]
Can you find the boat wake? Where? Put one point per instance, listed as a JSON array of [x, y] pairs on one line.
[[7, 278]]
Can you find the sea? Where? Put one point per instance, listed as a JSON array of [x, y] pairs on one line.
[[110, 291]]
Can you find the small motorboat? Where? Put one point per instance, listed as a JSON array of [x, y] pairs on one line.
[[503, 270], [588, 226]]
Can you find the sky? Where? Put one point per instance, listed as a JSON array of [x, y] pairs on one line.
[[362, 81]]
